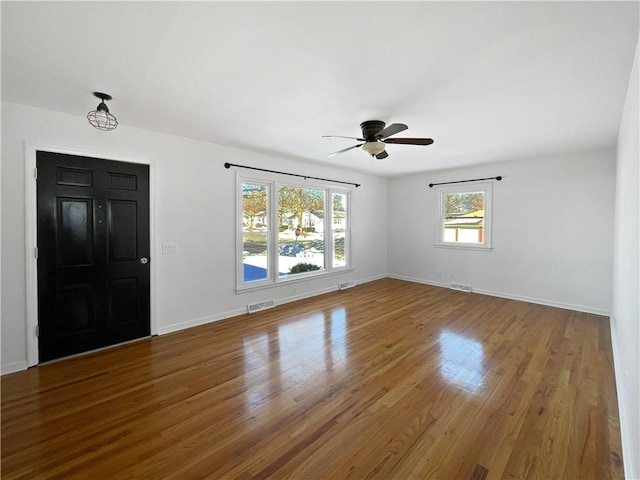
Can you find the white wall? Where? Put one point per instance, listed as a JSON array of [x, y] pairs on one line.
[[194, 206], [625, 314], [541, 253]]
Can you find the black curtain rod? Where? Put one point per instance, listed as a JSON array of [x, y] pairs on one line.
[[464, 181], [229, 165]]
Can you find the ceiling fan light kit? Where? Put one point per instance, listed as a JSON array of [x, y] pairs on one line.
[[375, 137], [101, 118], [373, 148]]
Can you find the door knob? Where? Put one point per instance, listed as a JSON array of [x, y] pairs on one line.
[[144, 260]]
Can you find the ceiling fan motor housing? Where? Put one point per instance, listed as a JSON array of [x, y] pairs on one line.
[[371, 128]]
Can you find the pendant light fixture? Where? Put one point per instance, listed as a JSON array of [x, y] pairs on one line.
[[100, 117]]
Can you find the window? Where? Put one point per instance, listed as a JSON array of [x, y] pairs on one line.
[[340, 233], [290, 231], [301, 234], [255, 231], [464, 216]]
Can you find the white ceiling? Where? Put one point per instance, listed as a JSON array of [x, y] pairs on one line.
[[488, 81]]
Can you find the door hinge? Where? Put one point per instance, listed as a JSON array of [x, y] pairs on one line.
[[35, 173], [36, 252], [37, 331]]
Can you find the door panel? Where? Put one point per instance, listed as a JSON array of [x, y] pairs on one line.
[[74, 176], [122, 224], [75, 231], [93, 228], [74, 308], [122, 301], [122, 181]]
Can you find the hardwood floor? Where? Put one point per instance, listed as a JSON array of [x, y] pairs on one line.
[[385, 380]]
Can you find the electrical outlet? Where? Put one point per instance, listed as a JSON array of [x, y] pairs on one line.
[[295, 290], [438, 275]]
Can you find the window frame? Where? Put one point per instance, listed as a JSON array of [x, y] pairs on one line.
[[346, 229], [239, 256], [487, 189], [273, 182]]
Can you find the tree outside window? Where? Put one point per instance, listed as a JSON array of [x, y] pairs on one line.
[[464, 216], [302, 231], [301, 244], [255, 232]]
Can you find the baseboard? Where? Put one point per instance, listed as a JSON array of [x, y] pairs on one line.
[[241, 311], [548, 303], [322, 291], [14, 367], [628, 456], [174, 327], [510, 296], [295, 298], [419, 280]]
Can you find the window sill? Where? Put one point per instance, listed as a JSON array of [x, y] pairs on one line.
[[288, 280], [465, 246]]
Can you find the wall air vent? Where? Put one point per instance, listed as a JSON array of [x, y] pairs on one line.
[[460, 287], [256, 307], [345, 285]]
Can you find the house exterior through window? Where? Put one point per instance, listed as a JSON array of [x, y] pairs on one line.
[[464, 216], [288, 231]]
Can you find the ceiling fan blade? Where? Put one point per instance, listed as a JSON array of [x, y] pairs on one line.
[[344, 150], [410, 141], [381, 155], [340, 136], [391, 130]]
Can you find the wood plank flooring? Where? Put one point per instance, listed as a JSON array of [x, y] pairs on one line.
[[389, 379]]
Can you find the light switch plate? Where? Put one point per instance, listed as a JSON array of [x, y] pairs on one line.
[[169, 248]]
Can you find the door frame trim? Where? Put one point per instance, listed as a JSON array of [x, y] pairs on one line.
[[31, 234]]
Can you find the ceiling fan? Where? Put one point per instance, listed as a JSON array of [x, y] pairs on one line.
[[375, 136]]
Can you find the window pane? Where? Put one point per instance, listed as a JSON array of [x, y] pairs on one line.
[[339, 252], [464, 217], [339, 215], [301, 230], [255, 232]]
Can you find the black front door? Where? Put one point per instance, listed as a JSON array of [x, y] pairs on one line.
[[93, 253]]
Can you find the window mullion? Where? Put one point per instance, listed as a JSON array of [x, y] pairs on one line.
[[274, 219], [328, 230]]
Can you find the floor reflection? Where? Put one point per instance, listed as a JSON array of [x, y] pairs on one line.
[[294, 353], [256, 370], [338, 329], [313, 344], [462, 361]]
